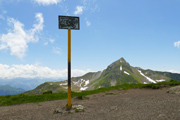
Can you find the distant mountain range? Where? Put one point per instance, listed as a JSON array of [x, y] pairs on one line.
[[117, 73], [26, 83], [9, 90]]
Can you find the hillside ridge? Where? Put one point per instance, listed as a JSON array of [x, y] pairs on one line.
[[117, 73]]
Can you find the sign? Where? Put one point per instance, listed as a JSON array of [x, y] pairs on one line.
[[69, 22]]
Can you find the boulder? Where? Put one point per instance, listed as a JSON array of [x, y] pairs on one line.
[[174, 90]]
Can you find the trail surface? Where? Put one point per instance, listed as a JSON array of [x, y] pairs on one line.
[[134, 104]]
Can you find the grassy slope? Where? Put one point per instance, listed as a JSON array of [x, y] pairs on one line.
[[114, 73], [53, 86], [87, 76], [25, 98], [156, 75]]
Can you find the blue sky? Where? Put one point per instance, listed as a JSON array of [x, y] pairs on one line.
[[144, 32]]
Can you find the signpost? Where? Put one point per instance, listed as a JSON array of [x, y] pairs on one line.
[[70, 23]]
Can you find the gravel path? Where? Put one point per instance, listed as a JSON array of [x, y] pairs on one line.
[[135, 104]]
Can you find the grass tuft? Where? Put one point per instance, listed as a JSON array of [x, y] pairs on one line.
[[109, 93]]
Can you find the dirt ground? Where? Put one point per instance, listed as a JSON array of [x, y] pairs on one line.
[[134, 104]]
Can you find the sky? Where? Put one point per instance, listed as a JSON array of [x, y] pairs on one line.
[[146, 33]]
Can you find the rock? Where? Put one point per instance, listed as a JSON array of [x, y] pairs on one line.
[[78, 108], [174, 90], [75, 108], [59, 111]]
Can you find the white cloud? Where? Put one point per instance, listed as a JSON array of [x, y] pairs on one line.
[[64, 8], [9, 1], [33, 71], [79, 10], [51, 40], [2, 14], [177, 44], [56, 50], [91, 5], [47, 2], [95, 8], [174, 71], [46, 43], [88, 23], [77, 72], [17, 38]]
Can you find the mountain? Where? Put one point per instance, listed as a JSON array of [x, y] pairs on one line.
[[26, 83], [61, 86], [120, 72], [9, 90], [47, 86], [117, 73]]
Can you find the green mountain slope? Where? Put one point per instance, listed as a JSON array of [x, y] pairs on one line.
[[47, 86], [9, 90], [118, 73]]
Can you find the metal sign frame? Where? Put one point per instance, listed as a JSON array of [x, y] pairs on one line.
[[69, 22]]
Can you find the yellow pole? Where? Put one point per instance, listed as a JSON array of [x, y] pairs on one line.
[[69, 68]]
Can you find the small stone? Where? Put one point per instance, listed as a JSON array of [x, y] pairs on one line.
[[59, 111], [114, 107], [78, 108], [162, 117], [174, 90]]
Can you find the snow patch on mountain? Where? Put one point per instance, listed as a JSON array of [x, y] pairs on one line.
[[63, 84], [75, 82], [80, 83], [121, 68], [83, 88], [86, 83], [149, 79], [126, 73], [160, 80]]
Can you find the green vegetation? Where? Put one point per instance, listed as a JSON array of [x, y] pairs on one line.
[[48, 92], [25, 98], [156, 75], [118, 73], [47, 88], [68, 107], [113, 74], [54, 112], [109, 93]]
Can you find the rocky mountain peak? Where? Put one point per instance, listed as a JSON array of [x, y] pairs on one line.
[[120, 61]]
